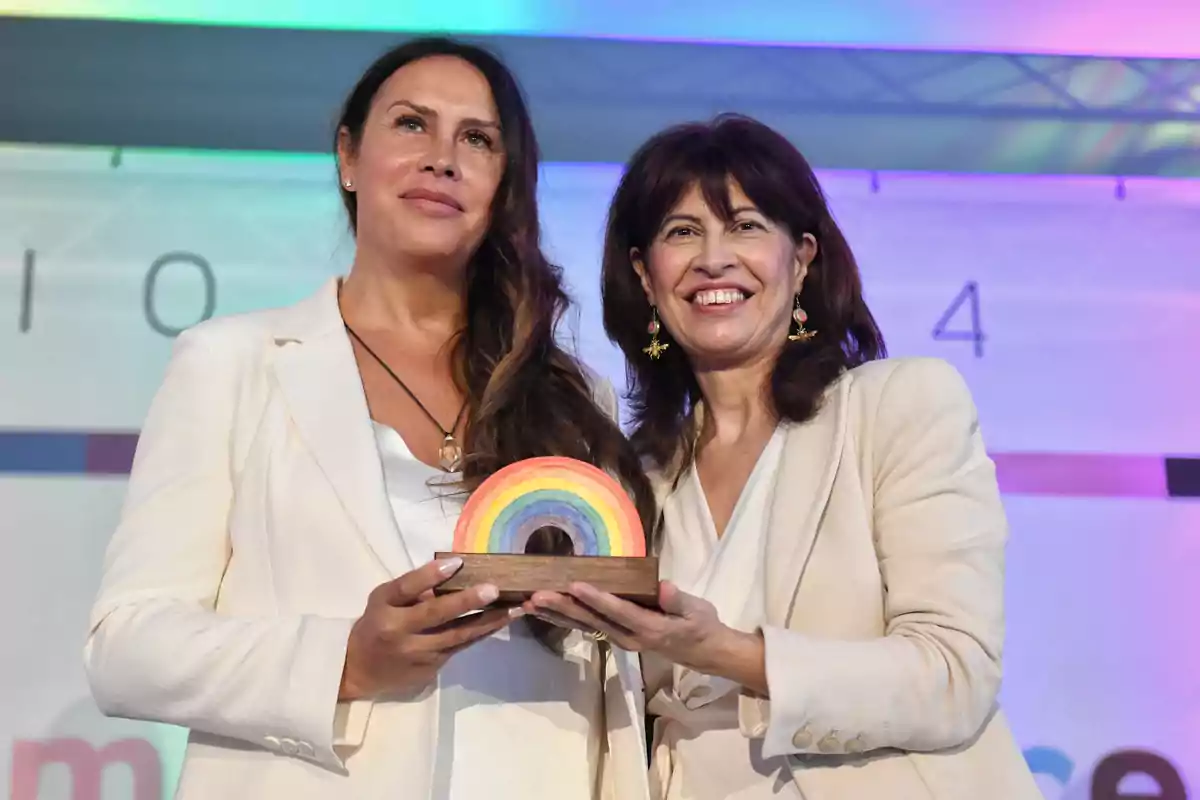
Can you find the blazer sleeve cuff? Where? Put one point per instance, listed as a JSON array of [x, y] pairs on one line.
[[789, 723], [316, 727]]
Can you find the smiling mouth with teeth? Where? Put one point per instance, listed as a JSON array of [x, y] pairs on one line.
[[718, 297]]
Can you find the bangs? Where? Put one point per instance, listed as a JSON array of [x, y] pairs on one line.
[[714, 161]]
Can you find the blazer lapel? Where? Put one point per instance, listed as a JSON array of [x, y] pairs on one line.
[[319, 379], [811, 456]]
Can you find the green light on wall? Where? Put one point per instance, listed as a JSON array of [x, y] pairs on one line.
[[459, 16]]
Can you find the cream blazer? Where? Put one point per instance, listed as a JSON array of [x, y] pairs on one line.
[[883, 585], [256, 524]]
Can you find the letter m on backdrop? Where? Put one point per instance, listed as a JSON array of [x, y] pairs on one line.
[[86, 765]]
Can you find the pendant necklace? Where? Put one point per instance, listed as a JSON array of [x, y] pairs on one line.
[[450, 454]]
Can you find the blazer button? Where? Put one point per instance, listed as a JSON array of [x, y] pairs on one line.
[[855, 745], [803, 739], [289, 747], [305, 750], [830, 743], [271, 741]]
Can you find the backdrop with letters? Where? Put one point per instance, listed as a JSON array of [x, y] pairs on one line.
[[1071, 306]]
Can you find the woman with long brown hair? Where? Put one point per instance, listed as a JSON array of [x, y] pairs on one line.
[[832, 535], [296, 461]]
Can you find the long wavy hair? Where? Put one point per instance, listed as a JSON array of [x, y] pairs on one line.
[[779, 181], [526, 396]]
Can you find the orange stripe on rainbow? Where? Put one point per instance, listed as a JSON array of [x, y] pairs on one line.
[[583, 501]]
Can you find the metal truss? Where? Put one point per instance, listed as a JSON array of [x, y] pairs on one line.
[[997, 85], [911, 110], [878, 81], [597, 100]]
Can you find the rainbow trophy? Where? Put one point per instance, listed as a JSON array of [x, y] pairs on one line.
[[580, 500]]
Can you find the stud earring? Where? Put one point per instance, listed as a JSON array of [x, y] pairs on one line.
[[656, 348], [799, 316], [349, 184]]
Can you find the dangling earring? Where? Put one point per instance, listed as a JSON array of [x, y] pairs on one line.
[[800, 317], [656, 348]]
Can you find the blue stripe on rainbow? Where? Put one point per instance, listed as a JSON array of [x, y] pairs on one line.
[[577, 498], [554, 507]]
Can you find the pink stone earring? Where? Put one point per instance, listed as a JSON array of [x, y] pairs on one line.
[[800, 317], [656, 348]]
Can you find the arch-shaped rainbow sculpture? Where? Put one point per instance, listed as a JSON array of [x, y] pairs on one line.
[[584, 502]]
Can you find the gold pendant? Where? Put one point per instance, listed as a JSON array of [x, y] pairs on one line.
[[450, 454]]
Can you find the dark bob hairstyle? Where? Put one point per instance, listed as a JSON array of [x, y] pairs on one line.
[[526, 396], [731, 149]]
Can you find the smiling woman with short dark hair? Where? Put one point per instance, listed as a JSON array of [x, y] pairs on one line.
[[832, 537]]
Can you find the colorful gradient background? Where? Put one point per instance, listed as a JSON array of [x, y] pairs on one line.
[[1087, 379], [1090, 305], [1147, 29]]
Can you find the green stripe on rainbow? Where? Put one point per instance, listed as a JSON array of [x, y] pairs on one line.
[[579, 499]]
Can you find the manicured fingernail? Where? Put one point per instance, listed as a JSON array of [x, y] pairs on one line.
[[488, 593], [516, 612], [450, 565]]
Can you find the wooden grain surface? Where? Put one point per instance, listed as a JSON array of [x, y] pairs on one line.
[[519, 576]]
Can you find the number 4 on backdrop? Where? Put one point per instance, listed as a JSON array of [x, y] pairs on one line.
[[968, 296]]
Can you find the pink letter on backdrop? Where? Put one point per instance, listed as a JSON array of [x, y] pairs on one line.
[[86, 764]]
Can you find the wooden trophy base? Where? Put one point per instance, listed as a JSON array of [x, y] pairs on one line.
[[519, 576]]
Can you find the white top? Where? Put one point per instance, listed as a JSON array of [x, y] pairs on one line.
[[701, 754], [506, 705]]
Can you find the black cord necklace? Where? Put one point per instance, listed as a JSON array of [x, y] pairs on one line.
[[450, 454]]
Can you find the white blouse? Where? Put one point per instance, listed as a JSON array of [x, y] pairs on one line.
[[506, 706], [699, 753]]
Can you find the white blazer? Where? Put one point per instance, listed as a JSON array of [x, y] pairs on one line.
[[883, 584], [256, 524]]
